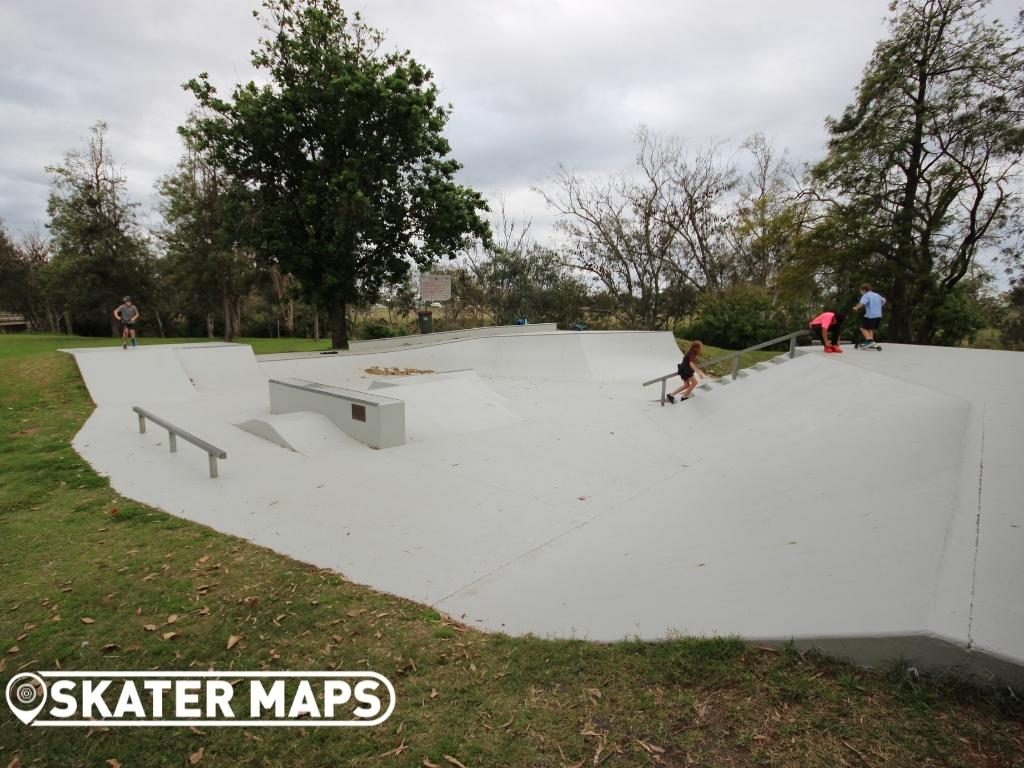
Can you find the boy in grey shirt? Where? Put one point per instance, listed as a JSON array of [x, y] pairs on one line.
[[128, 314]]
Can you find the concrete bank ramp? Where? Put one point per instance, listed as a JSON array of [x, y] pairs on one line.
[[311, 434], [166, 372], [453, 403], [128, 377], [221, 367]]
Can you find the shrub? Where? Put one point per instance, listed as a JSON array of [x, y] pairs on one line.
[[736, 318], [378, 329]]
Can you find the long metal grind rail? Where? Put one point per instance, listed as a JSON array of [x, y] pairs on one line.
[[735, 357], [173, 433]]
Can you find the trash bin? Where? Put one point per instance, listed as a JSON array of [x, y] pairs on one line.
[[426, 318]]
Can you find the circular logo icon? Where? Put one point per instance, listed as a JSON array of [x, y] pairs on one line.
[[26, 696]]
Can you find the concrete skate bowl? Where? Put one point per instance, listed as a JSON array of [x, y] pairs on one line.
[[586, 357], [866, 504], [441, 405]]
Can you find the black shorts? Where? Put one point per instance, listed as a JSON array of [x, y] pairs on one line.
[[870, 323], [127, 326], [685, 373], [833, 333]]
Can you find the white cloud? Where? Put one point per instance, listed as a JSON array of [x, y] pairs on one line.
[[534, 83]]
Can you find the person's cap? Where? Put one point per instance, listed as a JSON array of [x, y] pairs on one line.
[[126, 298]]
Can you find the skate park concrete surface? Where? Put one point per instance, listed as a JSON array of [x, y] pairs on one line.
[[867, 504]]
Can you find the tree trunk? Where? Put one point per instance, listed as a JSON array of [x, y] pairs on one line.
[[899, 319], [159, 323], [229, 326], [67, 322], [209, 325], [339, 324], [316, 322]]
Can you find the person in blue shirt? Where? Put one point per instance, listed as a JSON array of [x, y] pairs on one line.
[[872, 304]]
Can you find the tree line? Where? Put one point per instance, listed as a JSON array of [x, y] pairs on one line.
[[308, 205]]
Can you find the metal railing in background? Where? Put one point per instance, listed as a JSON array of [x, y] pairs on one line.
[[173, 433], [735, 357]]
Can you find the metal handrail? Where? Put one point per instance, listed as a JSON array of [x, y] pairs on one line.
[[174, 432], [735, 357]]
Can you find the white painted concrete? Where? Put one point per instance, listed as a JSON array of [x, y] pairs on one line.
[[865, 503], [422, 340], [373, 419], [303, 432]]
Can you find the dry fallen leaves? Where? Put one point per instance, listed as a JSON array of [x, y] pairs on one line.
[[169, 635], [114, 763], [650, 749], [149, 627], [454, 761], [15, 762], [394, 752], [172, 618], [87, 620], [233, 641], [196, 756]]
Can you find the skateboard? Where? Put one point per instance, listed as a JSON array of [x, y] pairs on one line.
[[875, 348]]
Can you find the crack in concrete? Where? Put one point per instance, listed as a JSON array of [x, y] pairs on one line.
[[977, 530], [556, 537]]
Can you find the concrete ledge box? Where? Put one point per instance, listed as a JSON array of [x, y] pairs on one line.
[[370, 418]]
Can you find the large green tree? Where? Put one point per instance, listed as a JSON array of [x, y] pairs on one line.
[[923, 168], [26, 280], [345, 154], [206, 215], [99, 251]]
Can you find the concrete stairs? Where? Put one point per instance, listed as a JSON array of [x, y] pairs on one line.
[[709, 385]]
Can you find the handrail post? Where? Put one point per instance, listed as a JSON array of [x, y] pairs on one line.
[[663, 381], [173, 440], [736, 367], [792, 346], [142, 424], [213, 465]]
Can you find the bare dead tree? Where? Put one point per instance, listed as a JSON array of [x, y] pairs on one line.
[[614, 234], [697, 209], [769, 213]]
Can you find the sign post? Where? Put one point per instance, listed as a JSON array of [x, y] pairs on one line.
[[434, 288]]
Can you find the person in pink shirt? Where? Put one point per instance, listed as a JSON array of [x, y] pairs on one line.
[[827, 325]]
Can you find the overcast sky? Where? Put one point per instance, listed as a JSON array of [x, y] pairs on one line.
[[533, 83]]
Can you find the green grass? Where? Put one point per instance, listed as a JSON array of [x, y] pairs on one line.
[[22, 344], [71, 548]]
